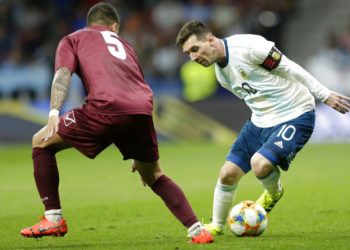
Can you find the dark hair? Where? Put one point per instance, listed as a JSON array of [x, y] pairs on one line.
[[191, 28], [102, 13]]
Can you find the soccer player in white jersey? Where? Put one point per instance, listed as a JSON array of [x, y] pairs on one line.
[[280, 95]]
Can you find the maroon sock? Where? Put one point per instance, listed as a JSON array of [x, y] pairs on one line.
[[175, 200], [46, 177]]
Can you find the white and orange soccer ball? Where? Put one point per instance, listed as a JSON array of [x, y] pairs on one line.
[[247, 219]]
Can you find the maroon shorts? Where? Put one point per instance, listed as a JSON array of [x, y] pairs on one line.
[[91, 133]]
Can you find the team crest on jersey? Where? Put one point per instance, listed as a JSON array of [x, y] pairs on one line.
[[243, 73], [69, 118], [273, 59]]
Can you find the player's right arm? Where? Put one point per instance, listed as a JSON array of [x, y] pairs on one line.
[[59, 90], [65, 65]]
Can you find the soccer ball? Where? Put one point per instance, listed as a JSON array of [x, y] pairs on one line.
[[247, 219]]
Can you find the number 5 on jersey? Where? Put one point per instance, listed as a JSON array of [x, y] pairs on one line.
[[117, 50]]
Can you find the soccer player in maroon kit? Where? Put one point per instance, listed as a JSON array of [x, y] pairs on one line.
[[118, 110]]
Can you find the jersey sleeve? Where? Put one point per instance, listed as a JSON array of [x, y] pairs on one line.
[[66, 55], [294, 71], [265, 54]]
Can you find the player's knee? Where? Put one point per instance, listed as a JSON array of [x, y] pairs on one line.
[[230, 175], [149, 172], [260, 165], [36, 140], [154, 176]]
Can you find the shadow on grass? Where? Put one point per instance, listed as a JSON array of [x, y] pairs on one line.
[[79, 246]]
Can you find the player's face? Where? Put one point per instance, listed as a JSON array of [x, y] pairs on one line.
[[200, 51]]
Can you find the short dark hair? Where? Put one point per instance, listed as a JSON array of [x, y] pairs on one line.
[[191, 28], [102, 13]]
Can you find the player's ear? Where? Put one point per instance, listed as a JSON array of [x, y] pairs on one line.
[[210, 38], [115, 28]]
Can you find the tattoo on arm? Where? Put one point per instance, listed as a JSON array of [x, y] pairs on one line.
[[59, 89]]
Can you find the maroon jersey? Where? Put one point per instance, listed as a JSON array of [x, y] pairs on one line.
[[109, 69]]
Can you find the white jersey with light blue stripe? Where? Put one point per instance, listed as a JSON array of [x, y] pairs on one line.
[[275, 88]]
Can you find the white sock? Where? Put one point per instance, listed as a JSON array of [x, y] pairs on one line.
[[223, 198], [53, 215], [195, 229], [272, 182]]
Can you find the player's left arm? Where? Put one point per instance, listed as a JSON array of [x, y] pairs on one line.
[[269, 57], [331, 98], [338, 102]]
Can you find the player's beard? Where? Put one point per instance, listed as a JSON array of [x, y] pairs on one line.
[[203, 62]]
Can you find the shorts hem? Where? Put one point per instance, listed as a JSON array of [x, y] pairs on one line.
[[71, 143], [269, 155], [273, 158], [125, 158], [239, 162]]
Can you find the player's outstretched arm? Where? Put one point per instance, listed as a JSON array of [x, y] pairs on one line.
[[338, 102], [59, 89]]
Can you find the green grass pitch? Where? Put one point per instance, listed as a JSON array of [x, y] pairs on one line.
[[106, 206]]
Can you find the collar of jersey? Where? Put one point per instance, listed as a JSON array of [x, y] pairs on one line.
[[227, 56], [98, 27]]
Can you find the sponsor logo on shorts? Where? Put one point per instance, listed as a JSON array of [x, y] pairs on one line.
[[69, 118], [279, 144]]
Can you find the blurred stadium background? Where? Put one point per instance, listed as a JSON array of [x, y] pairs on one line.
[[190, 104], [190, 107]]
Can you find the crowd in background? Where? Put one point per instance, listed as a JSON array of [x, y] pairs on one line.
[[331, 62], [30, 31]]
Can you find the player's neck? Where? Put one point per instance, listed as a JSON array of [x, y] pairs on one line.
[[221, 52], [112, 27]]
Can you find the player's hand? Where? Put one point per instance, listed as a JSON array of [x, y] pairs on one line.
[[51, 128], [338, 102], [133, 169]]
